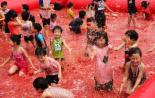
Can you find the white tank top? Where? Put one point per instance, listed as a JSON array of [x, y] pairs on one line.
[[26, 28]]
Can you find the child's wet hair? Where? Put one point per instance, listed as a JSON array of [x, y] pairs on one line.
[[16, 39], [53, 16], [4, 3], [82, 14], [37, 27], [132, 34], [57, 28], [70, 4], [102, 35], [135, 50], [145, 4], [25, 7], [40, 83], [41, 52]]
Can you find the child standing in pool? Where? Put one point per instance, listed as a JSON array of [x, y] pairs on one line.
[[57, 44], [134, 71], [132, 12], [103, 70]]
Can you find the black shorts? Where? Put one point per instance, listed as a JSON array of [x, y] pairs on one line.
[[100, 18], [28, 38], [132, 10], [15, 36], [45, 21], [52, 79]]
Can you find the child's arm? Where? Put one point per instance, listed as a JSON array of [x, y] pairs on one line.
[[107, 7], [150, 50], [139, 78], [29, 60], [5, 62], [119, 47], [38, 71], [125, 77], [51, 46], [65, 44], [93, 53]]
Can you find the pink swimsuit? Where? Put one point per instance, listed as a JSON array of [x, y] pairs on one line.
[[20, 61]]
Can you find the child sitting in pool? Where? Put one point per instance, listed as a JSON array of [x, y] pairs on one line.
[[146, 10], [70, 12], [134, 71], [50, 66], [20, 56]]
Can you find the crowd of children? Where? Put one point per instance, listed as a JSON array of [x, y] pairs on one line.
[[49, 55]]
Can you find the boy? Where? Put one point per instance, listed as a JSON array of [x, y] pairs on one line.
[[40, 41], [41, 85], [75, 24]]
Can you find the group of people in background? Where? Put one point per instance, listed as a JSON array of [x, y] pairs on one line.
[[93, 19]]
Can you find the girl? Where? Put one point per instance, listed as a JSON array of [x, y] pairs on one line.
[[100, 17], [146, 11], [132, 12], [53, 21], [26, 29], [57, 44], [130, 41], [91, 34], [103, 70], [70, 12], [50, 66], [134, 71], [14, 24], [20, 56]]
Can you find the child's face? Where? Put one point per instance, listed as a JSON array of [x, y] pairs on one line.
[[135, 59], [41, 58], [33, 30], [4, 7], [57, 33], [101, 42]]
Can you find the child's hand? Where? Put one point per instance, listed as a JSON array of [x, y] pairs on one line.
[[35, 72], [70, 50]]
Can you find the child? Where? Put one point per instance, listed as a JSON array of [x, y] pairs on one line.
[[70, 12], [26, 29], [14, 24], [41, 85], [53, 21], [50, 66], [75, 24], [45, 12], [132, 12], [40, 41], [20, 56], [146, 11], [5, 11], [57, 44], [103, 70], [100, 17], [130, 41], [2, 22], [91, 34], [90, 11], [134, 71], [25, 8]]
